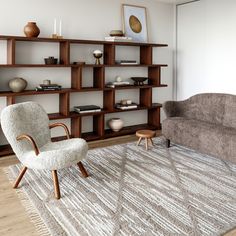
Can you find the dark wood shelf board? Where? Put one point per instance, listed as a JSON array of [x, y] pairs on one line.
[[78, 41], [119, 65], [90, 136], [128, 130], [33, 65], [135, 87]]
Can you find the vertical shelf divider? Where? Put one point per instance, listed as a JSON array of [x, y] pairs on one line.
[[76, 77], [146, 55], [76, 127], [145, 97], [64, 104], [109, 99], [11, 51], [98, 77], [154, 117], [64, 53], [10, 100], [154, 75], [98, 124], [109, 54]]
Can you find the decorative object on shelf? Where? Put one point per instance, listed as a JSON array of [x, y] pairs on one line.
[[116, 124], [17, 84], [139, 80], [135, 22], [55, 35], [126, 106], [126, 62], [97, 54], [118, 79], [79, 63], [47, 82], [117, 84], [31, 30], [48, 87], [118, 33], [126, 102], [50, 61], [87, 108]]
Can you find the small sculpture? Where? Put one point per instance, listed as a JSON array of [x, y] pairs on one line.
[[97, 54], [17, 84]]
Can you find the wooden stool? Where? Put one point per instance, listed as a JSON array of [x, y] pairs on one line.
[[147, 135]]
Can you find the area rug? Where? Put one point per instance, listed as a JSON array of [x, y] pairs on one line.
[[132, 191]]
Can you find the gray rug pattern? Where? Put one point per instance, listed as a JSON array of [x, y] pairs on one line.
[[132, 191]]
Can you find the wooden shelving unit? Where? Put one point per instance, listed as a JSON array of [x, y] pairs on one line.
[[109, 49]]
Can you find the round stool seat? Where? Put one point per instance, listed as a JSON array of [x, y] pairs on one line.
[[145, 133]]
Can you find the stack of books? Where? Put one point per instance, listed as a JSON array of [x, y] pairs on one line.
[[126, 62], [118, 39], [87, 108], [116, 84], [48, 87], [126, 106]]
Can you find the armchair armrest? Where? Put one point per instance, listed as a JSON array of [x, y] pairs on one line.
[[63, 126], [31, 140], [171, 108]]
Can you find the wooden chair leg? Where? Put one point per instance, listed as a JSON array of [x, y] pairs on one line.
[[146, 142], [151, 142], [139, 141], [20, 177], [56, 185], [82, 169]]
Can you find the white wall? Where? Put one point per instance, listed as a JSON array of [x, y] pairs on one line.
[[86, 19], [206, 47]]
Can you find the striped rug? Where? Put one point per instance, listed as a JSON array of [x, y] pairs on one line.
[[131, 191]]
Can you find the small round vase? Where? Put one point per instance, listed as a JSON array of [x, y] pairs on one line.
[[31, 30], [17, 84], [116, 124]]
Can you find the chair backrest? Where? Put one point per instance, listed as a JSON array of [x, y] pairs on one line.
[[25, 118]]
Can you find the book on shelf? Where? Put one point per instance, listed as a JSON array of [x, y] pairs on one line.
[[126, 106], [118, 39], [87, 108], [126, 62], [48, 87]]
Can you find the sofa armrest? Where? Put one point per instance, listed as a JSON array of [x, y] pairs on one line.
[[172, 108]]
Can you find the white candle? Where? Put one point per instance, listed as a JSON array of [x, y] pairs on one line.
[[60, 29], [55, 27]]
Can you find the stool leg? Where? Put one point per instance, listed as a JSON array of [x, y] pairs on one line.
[[139, 141], [146, 142], [56, 185], [151, 141]]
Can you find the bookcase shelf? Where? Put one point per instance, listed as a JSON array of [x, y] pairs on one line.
[[98, 78]]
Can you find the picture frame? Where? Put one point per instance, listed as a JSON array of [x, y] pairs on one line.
[[135, 22]]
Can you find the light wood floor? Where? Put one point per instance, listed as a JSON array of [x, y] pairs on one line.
[[14, 221]]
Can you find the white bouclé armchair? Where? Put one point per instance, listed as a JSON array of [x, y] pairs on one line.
[[27, 129]]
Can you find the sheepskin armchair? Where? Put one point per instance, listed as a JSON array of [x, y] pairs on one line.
[[27, 129]]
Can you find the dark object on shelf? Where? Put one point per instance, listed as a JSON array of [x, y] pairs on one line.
[[50, 61], [31, 30], [139, 80], [87, 108], [97, 54], [118, 33], [79, 63]]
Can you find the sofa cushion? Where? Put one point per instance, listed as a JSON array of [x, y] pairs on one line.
[[205, 137], [230, 112]]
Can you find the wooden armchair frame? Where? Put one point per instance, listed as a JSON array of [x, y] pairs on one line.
[[54, 172]]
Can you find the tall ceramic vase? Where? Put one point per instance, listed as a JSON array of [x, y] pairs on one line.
[[31, 30]]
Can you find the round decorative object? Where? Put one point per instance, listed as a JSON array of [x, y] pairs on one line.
[[17, 84], [118, 79], [97, 54], [135, 24], [118, 33], [31, 30], [116, 124], [139, 80]]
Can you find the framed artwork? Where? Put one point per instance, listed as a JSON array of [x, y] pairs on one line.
[[135, 22]]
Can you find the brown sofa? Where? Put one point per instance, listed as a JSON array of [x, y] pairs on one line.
[[204, 122]]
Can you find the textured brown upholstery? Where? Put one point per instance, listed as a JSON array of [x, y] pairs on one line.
[[205, 122]]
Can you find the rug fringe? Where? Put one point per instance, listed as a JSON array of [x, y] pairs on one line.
[[29, 207]]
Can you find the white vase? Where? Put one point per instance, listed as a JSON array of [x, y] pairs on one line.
[[116, 124], [17, 84]]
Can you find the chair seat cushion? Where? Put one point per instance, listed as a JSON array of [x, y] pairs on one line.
[[57, 155]]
